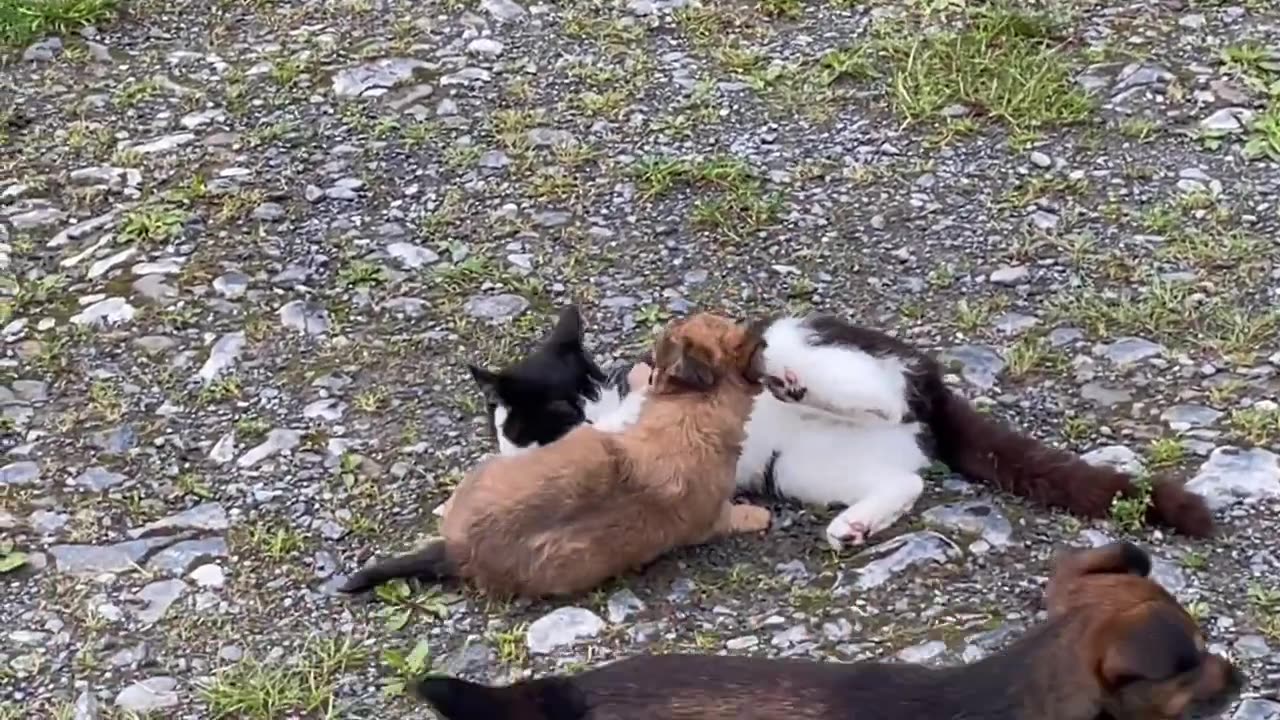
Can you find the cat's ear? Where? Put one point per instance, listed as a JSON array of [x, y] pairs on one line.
[[692, 370], [567, 334], [486, 379]]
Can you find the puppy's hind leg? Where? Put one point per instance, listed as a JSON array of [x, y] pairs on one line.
[[895, 494], [740, 519]]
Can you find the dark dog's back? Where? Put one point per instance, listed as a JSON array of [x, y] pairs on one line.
[[710, 687]]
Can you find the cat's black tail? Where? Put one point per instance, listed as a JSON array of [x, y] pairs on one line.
[[550, 698], [984, 449], [430, 562]]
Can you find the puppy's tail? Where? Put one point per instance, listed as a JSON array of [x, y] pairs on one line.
[[431, 562], [981, 447], [550, 698]]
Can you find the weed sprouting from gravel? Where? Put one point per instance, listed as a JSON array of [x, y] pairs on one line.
[[1003, 63], [22, 21], [1129, 513], [274, 689]]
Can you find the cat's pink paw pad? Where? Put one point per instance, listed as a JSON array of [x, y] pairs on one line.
[[851, 534], [786, 388]]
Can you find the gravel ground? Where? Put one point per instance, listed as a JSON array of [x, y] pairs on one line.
[[246, 249]]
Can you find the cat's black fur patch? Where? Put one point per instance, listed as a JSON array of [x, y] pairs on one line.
[[770, 479], [544, 391]]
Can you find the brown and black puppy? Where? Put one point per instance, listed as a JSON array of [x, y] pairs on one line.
[[1115, 647], [565, 517], [1158, 666]]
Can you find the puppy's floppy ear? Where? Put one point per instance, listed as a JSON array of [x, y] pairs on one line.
[[751, 351], [1146, 644], [567, 334], [692, 370], [1117, 558]]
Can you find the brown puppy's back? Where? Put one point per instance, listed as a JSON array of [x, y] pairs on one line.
[[561, 518]]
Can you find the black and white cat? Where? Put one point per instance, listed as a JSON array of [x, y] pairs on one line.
[[853, 417]]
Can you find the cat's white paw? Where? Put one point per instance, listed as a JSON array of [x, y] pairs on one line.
[[786, 388], [842, 533]]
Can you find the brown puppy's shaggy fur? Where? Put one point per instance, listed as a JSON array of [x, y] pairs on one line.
[[565, 517], [1115, 647]]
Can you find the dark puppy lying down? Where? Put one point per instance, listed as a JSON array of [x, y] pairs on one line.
[[1116, 646]]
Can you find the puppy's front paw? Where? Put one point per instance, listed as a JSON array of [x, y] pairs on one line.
[[786, 388], [750, 518]]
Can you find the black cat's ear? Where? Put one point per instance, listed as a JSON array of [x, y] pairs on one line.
[[568, 330], [486, 379]]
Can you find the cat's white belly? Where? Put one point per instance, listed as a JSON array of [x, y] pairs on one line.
[[822, 462]]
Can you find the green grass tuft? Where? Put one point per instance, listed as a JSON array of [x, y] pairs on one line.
[[22, 21], [1004, 64]]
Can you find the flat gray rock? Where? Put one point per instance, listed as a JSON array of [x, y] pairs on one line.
[[1233, 475], [20, 473], [561, 628], [222, 356], [148, 696], [375, 78], [206, 517], [1257, 709], [412, 256], [1183, 417], [496, 308], [980, 365], [1130, 350], [923, 653], [180, 558], [98, 478], [93, 559], [278, 440], [305, 316], [622, 605], [901, 553], [975, 517], [156, 598], [1118, 457]]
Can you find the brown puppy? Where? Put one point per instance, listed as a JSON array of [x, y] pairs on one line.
[[1113, 648], [1158, 666], [565, 517]]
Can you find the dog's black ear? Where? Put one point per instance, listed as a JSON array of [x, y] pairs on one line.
[[1149, 644], [567, 334], [1117, 558], [691, 370], [486, 379]]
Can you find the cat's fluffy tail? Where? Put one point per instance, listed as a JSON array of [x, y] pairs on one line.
[[550, 698], [983, 448], [431, 562]]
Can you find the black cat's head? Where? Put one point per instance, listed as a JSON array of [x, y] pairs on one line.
[[539, 398]]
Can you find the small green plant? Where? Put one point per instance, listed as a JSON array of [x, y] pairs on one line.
[[10, 559], [402, 604], [511, 646], [301, 686], [22, 21], [406, 666], [1193, 560], [1165, 452], [1129, 513], [152, 224], [1004, 61]]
